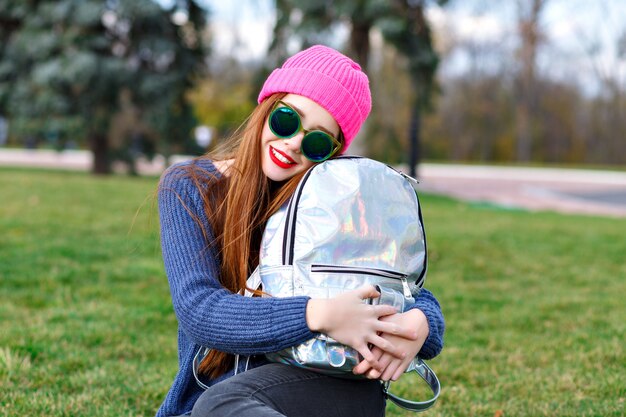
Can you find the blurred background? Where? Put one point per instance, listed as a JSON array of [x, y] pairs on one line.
[[525, 81]]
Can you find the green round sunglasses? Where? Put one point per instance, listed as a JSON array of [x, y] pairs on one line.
[[317, 145]]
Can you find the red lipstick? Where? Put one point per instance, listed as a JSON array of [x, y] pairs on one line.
[[277, 161]]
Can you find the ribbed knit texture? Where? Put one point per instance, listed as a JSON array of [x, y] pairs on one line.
[[329, 78], [208, 315]]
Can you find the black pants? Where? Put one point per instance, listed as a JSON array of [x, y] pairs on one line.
[[277, 390]]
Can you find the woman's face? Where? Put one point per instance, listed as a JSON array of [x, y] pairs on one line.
[[281, 158]]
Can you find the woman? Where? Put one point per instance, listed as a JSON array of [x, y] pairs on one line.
[[213, 211]]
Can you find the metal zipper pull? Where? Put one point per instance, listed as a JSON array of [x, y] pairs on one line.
[[405, 288]]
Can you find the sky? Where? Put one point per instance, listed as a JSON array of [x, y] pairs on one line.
[[240, 28], [572, 27]]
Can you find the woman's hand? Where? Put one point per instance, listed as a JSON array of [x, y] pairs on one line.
[[391, 367], [348, 320]]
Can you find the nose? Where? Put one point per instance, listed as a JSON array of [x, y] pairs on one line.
[[294, 142]]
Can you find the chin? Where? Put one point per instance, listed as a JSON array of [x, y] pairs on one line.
[[278, 174]]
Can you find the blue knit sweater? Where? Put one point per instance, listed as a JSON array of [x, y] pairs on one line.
[[209, 315]]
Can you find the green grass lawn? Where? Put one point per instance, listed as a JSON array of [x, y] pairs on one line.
[[533, 303]]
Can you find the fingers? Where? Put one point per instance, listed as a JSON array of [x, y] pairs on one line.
[[392, 369], [384, 361], [388, 369], [387, 374], [361, 368], [398, 373], [364, 365], [367, 291], [368, 356], [396, 330], [373, 374], [386, 345], [382, 310]]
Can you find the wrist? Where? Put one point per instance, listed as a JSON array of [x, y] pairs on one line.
[[316, 314], [420, 321]]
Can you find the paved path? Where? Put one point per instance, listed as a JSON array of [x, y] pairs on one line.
[[564, 190], [74, 160]]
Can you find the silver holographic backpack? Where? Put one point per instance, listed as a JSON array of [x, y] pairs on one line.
[[351, 221]]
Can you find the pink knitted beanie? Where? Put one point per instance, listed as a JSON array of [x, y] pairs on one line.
[[329, 78]]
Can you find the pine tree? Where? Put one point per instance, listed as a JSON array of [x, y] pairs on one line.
[[65, 67]]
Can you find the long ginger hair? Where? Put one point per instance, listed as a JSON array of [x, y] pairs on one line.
[[238, 206]]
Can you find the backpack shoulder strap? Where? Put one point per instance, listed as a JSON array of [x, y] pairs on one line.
[[427, 375]]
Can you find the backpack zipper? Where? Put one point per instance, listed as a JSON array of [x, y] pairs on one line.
[[377, 272]]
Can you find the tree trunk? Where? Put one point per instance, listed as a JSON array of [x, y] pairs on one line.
[[529, 31], [100, 150], [523, 130], [360, 50], [360, 35], [414, 137], [360, 42]]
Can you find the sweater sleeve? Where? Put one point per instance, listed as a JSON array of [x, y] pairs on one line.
[[433, 345], [207, 313]]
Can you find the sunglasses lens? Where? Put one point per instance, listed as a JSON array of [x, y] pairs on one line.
[[284, 122], [317, 146]]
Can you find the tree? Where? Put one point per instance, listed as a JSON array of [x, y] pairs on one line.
[[76, 57], [402, 23], [529, 14], [410, 33], [12, 15], [605, 116], [222, 100]]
